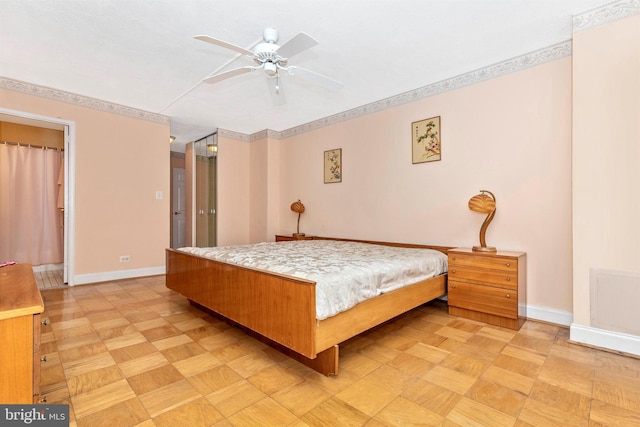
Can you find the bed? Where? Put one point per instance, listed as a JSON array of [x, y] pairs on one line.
[[280, 307]]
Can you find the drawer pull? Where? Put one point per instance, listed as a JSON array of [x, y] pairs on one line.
[[508, 295], [508, 279], [453, 286], [45, 322], [453, 271], [43, 399], [508, 264], [43, 359]]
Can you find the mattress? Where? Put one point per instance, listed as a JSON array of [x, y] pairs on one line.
[[346, 273]]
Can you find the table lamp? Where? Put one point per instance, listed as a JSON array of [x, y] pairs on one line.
[[485, 203], [298, 208]]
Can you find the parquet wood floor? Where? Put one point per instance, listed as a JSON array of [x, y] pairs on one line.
[[49, 279], [133, 353]]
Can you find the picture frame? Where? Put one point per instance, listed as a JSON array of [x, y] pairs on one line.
[[426, 140], [333, 166]]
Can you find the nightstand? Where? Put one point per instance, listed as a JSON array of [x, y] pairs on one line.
[[488, 286], [288, 238]]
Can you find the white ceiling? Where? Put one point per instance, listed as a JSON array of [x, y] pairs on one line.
[[141, 53]]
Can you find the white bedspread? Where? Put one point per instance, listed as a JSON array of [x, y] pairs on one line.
[[345, 273]]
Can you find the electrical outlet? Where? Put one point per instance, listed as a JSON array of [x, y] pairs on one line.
[[125, 258]]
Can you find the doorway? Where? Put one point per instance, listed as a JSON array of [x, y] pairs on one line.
[[68, 129]]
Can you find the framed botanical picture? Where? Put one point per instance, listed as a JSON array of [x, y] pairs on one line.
[[333, 166], [425, 140]]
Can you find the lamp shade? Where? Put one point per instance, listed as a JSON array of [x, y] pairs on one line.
[[297, 207]]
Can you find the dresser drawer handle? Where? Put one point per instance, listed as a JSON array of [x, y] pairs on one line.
[[45, 322], [453, 286], [453, 271], [43, 399], [508, 279], [508, 295], [43, 359], [508, 264]]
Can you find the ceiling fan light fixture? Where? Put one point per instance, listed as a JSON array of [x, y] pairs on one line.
[[270, 68]]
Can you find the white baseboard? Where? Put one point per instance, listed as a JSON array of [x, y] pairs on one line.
[[605, 339], [550, 315], [83, 279]]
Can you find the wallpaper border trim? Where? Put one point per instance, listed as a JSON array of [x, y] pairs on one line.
[[551, 53], [608, 13], [82, 101]]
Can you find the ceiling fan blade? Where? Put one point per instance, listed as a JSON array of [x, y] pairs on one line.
[[313, 77], [228, 74], [222, 43], [299, 43], [276, 90]]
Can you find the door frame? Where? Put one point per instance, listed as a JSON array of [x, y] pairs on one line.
[[69, 185]]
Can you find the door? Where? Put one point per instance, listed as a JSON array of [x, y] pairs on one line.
[[178, 208], [205, 151]]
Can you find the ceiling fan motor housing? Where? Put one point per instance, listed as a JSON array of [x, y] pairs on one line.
[[270, 35], [266, 53]]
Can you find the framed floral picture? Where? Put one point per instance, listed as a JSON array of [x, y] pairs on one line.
[[426, 140], [333, 166]]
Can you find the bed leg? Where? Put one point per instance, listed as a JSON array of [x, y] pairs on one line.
[[326, 362]]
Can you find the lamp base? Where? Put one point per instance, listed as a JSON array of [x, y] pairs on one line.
[[296, 235], [484, 249]]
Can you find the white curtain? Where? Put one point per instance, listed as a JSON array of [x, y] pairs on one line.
[[31, 225]]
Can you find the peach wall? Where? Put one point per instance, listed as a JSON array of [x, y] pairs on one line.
[[233, 184], [258, 190], [606, 155], [264, 192], [120, 164], [510, 135]]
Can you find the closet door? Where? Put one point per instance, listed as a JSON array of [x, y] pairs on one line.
[[205, 191]]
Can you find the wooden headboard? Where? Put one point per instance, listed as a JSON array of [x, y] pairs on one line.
[[443, 249]]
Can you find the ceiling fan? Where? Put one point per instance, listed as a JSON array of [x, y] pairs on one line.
[[273, 60]]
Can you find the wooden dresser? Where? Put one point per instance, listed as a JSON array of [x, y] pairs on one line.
[[287, 238], [489, 287], [20, 308]]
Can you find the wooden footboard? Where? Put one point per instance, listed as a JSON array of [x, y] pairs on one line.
[[281, 308]]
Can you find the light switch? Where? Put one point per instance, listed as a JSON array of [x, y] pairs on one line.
[[159, 195]]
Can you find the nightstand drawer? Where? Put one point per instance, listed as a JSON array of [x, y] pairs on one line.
[[489, 262], [508, 280], [486, 299]]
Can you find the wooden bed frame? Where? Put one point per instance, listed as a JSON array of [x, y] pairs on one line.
[[282, 308]]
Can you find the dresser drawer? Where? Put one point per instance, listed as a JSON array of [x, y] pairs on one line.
[[486, 299], [484, 262], [506, 279]]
